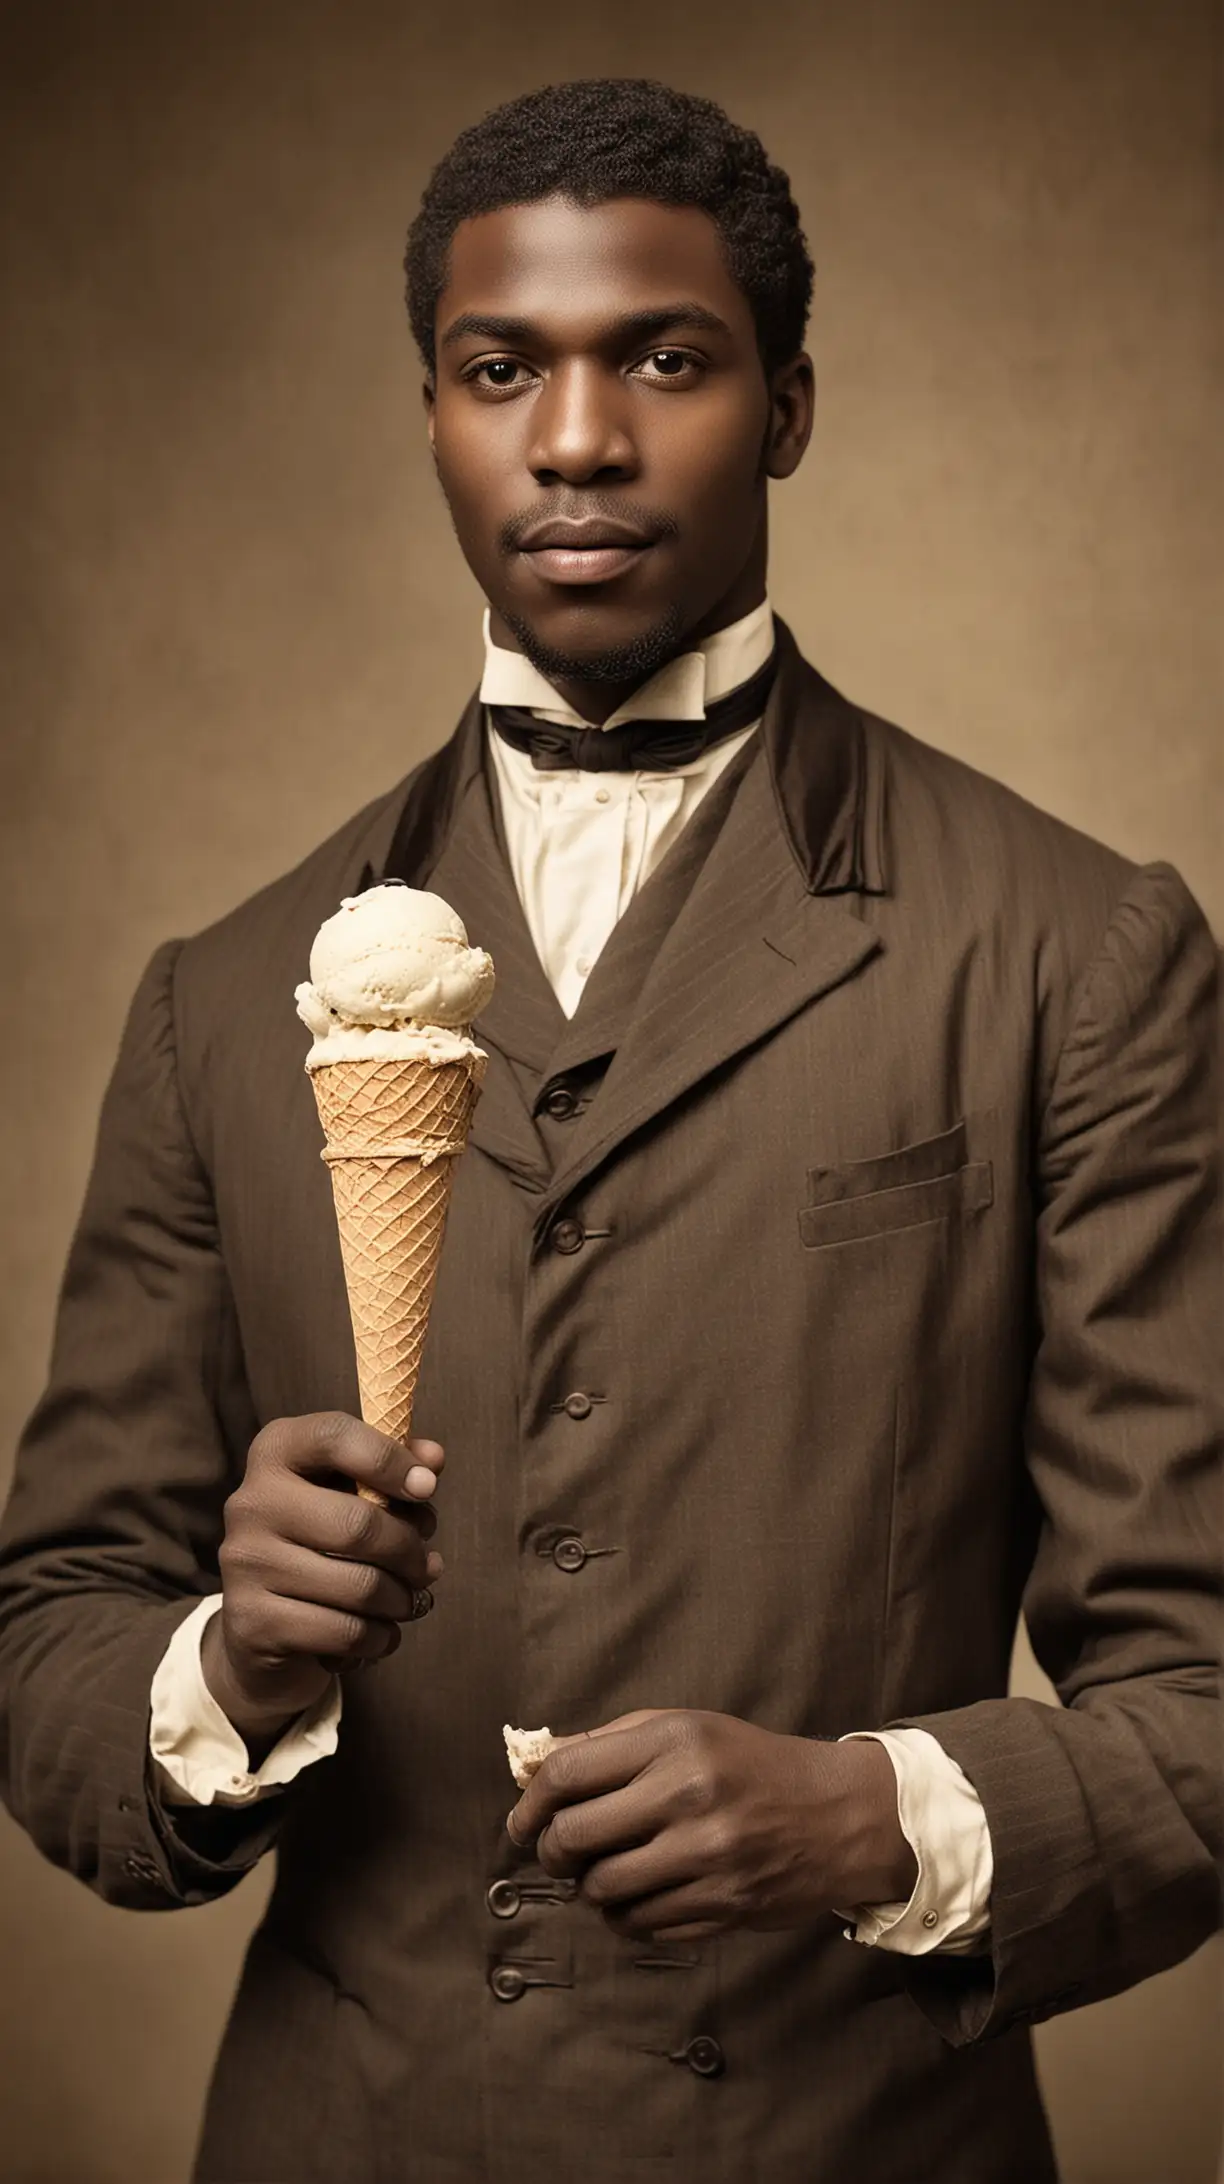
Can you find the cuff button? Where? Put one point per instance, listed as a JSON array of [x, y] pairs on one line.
[[930, 1919]]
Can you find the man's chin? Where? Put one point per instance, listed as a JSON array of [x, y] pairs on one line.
[[632, 660]]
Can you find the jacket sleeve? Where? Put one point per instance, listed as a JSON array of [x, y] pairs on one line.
[[1104, 1814], [112, 1530]]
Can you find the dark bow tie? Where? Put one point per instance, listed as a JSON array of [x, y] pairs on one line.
[[635, 746]]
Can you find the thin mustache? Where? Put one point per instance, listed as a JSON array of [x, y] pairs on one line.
[[650, 520]]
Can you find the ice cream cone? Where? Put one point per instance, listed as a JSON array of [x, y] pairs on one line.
[[392, 995], [395, 1128]]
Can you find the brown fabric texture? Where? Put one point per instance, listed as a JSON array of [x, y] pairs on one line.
[[882, 1152]]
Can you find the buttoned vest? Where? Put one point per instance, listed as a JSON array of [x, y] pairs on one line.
[[559, 1063]]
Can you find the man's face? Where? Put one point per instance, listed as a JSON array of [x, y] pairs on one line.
[[603, 430]]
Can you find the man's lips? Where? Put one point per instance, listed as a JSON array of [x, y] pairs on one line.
[[583, 564], [583, 550]]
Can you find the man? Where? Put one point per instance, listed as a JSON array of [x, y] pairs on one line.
[[826, 1278]]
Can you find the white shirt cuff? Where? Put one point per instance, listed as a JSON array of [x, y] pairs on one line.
[[943, 1822], [201, 1758]]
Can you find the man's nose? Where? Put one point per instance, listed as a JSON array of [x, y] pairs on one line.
[[581, 426]]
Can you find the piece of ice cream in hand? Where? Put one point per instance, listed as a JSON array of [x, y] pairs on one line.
[[527, 1750], [392, 994]]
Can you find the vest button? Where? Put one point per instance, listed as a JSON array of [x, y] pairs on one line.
[[567, 1236], [503, 1899], [569, 1553], [507, 1983], [577, 1405], [705, 2056], [560, 1103]]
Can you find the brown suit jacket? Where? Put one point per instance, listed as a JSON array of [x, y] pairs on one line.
[[863, 1207]]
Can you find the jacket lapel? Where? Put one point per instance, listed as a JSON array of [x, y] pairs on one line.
[[762, 933]]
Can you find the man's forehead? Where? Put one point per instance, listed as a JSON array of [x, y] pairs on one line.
[[557, 259]]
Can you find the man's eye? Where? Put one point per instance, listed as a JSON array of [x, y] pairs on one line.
[[670, 363], [501, 370]]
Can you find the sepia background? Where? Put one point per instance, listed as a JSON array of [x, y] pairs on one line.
[[234, 611]]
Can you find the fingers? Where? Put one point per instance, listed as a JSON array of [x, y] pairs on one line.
[[628, 1877], [585, 1768], [274, 1539], [335, 1523], [673, 1914], [326, 1442], [599, 1827], [353, 1588], [428, 1452], [289, 1493], [314, 1577], [275, 1629], [676, 1887], [428, 1464]]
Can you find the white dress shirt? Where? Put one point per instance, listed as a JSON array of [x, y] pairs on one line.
[[580, 846]]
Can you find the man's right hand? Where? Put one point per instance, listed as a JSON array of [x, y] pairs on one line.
[[315, 1579]]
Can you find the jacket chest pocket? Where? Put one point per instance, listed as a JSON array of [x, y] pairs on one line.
[[916, 1184]]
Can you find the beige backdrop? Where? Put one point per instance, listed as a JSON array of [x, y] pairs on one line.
[[237, 612]]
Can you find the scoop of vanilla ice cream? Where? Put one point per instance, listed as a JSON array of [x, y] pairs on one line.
[[394, 955]]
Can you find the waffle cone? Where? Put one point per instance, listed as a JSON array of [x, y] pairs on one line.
[[394, 1132]]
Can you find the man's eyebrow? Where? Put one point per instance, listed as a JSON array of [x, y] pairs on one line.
[[633, 325]]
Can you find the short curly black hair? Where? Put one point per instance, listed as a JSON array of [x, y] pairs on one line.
[[608, 137]]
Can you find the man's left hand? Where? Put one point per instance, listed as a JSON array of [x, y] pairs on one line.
[[684, 1824]]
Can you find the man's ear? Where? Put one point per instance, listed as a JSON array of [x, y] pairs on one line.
[[792, 397], [429, 397]]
